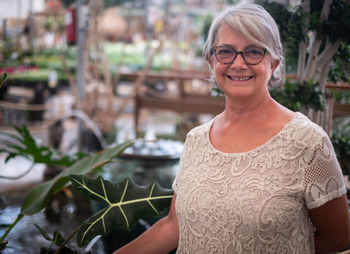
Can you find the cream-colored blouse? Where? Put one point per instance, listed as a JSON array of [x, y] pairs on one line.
[[256, 201]]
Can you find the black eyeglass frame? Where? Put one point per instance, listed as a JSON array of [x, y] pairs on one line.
[[213, 51]]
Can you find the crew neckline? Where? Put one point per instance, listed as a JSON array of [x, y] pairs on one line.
[[210, 124]]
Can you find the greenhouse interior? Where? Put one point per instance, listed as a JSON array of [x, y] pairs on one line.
[[100, 95]]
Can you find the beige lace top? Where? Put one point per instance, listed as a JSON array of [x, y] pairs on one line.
[[257, 201]]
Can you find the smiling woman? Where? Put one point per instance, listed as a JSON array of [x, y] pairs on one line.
[[258, 178], [241, 74]]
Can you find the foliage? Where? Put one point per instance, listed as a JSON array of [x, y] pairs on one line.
[[338, 24], [341, 142], [35, 75], [2, 79], [290, 22], [67, 3], [111, 3], [296, 25], [207, 23], [38, 197], [57, 238], [342, 96], [231, 1], [341, 145], [23, 144], [296, 96], [7, 49], [126, 203], [341, 68], [49, 23], [37, 65]]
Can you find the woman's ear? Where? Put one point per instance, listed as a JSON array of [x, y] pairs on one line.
[[274, 65]]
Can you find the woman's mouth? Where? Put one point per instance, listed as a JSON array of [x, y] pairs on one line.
[[240, 78]]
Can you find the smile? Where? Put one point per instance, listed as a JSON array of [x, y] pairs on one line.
[[239, 78]]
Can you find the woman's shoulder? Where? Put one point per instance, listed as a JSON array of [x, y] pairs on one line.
[[200, 130], [302, 128]]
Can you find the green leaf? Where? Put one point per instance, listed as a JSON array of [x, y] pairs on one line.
[[126, 203], [56, 239], [23, 144], [2, 78], [38, 197]]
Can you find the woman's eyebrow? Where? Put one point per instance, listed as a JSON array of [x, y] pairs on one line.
[[231, 46]]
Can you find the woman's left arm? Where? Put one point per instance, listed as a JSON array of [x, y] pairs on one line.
[[331, 221]]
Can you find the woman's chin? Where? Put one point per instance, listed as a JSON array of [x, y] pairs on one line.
[[241, 90]]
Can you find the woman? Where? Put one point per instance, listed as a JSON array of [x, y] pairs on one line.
[[258, 178]]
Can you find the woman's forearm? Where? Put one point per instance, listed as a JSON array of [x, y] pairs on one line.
[[326, 246], [162, 237]]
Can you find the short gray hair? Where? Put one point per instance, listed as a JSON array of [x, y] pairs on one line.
[[257, 25]]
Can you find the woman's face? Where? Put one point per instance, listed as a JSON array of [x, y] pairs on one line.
[[240, 79]]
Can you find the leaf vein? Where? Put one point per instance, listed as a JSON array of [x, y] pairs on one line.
[[104, 191], [150, 196], [94, 222], [140, 200], [124, 191], [84, 186], [125, 218]]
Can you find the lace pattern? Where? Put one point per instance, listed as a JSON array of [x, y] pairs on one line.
[[255, 202]]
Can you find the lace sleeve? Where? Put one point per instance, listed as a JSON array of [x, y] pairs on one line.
[[323, 176]]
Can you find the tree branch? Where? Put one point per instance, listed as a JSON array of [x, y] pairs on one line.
[[323, 76], [328, 52], [301, 61], [325, 9], [325, 58], [305, 5], [311, 61], [316, 43]]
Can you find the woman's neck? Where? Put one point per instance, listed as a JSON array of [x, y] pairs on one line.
[[241, 111]]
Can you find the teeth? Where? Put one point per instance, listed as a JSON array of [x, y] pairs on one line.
[[239, 79]]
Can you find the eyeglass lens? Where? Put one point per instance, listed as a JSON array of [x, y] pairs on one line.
[[227, 55]]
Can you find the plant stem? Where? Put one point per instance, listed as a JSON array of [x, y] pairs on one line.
[[19, 217], [67, 240]]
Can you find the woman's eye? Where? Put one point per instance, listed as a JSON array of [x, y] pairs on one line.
[[225, 51], [253, 51]]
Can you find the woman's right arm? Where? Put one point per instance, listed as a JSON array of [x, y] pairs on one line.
[[162, 237]]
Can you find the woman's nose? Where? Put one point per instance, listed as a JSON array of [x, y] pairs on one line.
[[238, 61]]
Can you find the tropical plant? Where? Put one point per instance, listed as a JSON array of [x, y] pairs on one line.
[[23, 144], [38, 197], [126, 203]]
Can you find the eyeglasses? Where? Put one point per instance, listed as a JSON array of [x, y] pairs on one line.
[[227, 54]]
